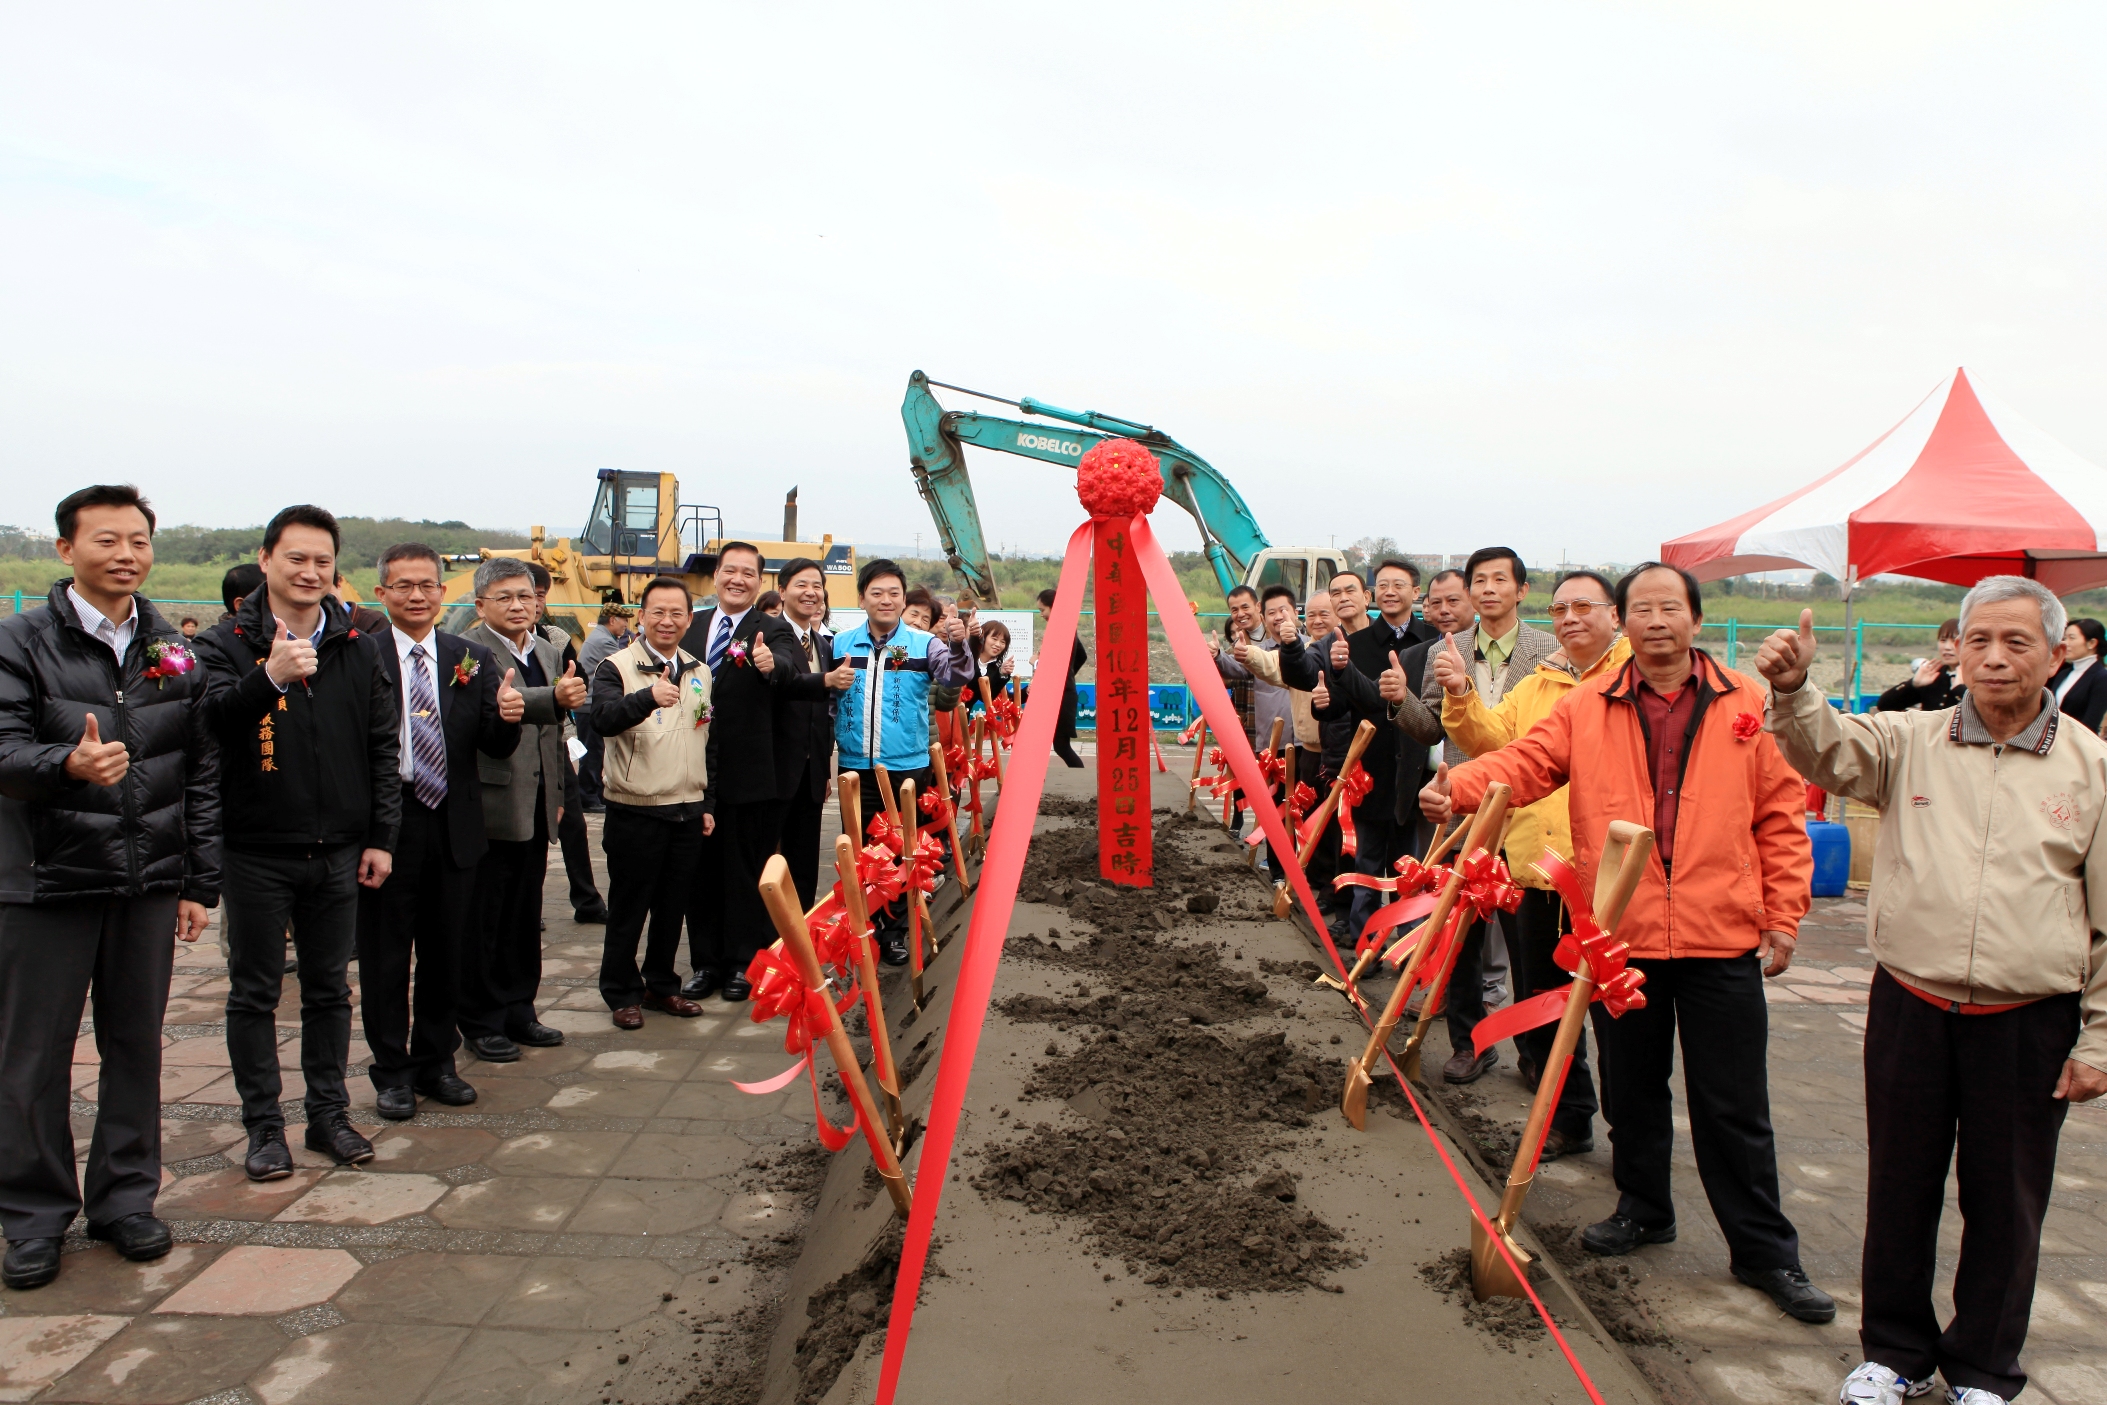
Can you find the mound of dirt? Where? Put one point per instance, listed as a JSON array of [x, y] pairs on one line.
[[1061, 869], [844, 1311], [1137, 975], [1508, 1321]]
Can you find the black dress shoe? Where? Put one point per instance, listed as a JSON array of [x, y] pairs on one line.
[[1466, 1067], [338, 1139], [699, 985], [591, 916], [494, 1049], [1620, 1235], [736, 989], [31, 1263], [1557, 1144], [448, 1088], [396, 1104], [269, 1158], [1790, 1289], [892, 948], [138, 1237], [537, 1036]]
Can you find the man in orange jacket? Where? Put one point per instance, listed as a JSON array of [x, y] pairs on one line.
[[1673, 735]]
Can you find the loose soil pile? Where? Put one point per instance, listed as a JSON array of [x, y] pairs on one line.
[[1061, 869], [853, 1305], [1507, 1321], [733, 1375], [1168, 1173]]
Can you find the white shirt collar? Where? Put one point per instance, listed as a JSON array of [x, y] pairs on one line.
[[119, 632], [403, 645], [669, 660], [735, 619]]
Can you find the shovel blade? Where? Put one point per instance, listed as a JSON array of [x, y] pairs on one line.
[[1409, 1064], [1281, 906], [1355, 1103], [1490, 1275]]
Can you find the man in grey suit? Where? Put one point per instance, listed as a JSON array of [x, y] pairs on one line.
[[522, 805]]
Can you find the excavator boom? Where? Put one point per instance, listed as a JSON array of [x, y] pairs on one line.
[[936, 437]]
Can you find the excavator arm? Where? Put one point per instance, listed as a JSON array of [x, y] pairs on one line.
[[937, 437]]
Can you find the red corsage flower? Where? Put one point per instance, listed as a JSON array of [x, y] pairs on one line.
[[1746, 725]]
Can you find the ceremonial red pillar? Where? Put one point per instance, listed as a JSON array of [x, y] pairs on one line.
[[1126, 850]]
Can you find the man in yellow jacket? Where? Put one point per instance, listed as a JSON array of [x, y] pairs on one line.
[[1586, 623]]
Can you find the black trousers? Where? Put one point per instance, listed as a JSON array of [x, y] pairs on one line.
[[1463, 1003], [315, 892], [592, 767], [502, 974], [751, 834], [705, 903], [650, 865], [799, 842], [424, 910], [1536, 927], [1725, 1030], [53, 957], [1064, 726], [894, 914], [1931, 1075], [1378, 844], [577, 847]]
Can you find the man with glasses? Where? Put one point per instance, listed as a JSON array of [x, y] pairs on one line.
[[522, 808], [1673, 740], [1585, 618], [457, 704]]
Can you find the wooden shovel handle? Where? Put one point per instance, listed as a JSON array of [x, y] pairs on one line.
[[851, 789], [1362, 736]]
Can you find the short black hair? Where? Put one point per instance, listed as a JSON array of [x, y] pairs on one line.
[[1351, 574], [1046, 598], [728, 548], [792, 568], [1237, 590], [303, 514], [1397, 564], [1585, 575], [100, 495], [240, 583], [1274, 592], [1485, 554], [1439, 576], [923, 596], [1690, 586], [187, 619], [409, 551], [770, 600], [872, 570], [660, 583], [2095, 634]]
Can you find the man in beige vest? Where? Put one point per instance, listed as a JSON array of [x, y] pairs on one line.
[[651, 704]]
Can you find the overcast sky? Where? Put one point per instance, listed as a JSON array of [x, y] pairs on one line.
[[1572, 277]]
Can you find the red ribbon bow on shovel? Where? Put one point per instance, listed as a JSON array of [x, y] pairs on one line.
[[779, 989], [1617, 983]]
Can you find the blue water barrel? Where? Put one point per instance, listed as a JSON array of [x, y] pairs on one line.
[[1832, 858]]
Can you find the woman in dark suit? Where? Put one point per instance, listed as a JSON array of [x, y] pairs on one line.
[[1064, 727], [2082, 691]]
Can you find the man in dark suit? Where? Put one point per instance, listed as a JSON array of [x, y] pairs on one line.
[[752, 657], [456, 701], [805, 746]]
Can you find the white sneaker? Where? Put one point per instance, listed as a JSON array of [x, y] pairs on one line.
[[1874, 1384], [1972, 1395]]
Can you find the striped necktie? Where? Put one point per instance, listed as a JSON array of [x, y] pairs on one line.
[[720, 639], [427, 743]]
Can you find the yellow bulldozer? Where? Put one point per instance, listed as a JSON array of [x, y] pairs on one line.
[[640, 529]]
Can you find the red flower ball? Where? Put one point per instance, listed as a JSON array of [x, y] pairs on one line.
[[1118, 478], [1747, 725]]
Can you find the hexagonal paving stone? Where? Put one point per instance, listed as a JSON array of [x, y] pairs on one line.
[[359, 1363], [35, 1351], [595, 1294], [559, 1153], [415, 1148], [507, 1367], [170, 1360], [668, 1156], [512, 1202], [97, 1279], [180, 1141], [448, 1290], [648, 1207], [627, 1098], [255, 1280], [231, 1195], [365, 1197], [670, 1064]]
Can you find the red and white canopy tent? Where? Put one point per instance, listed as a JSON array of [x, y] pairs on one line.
[[1961, 489]]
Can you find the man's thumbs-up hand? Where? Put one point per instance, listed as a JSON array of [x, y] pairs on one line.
[[1340, 656], [570, 689], [292, 658], [1786, 656], [1393, 685], [1434, 799], [511, 703], [1450, 670], [96, 761]]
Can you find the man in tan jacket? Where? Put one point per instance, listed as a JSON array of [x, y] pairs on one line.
[[1989, 1008]]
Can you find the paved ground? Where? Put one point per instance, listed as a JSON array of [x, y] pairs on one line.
[[509, 1251], [1732, 1345]]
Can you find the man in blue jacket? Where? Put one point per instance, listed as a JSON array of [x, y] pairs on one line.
[[882, 717], [109, 844]]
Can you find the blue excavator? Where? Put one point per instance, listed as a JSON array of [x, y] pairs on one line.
[[1229, 535]]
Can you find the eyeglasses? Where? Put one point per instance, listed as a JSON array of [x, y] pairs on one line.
[[1578, 609], [415, 587], [507, 600]]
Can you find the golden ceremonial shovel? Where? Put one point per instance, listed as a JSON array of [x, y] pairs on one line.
[[943, 789], [1315, 825], [780, 896], [1436, 851], [867, 972], [1355, 1102], [905, 817], [1624, 857], [1192, 796], [987, 698], [850, 788], [1438, 987]]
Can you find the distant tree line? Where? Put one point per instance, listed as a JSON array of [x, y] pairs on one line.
[[365, 538]]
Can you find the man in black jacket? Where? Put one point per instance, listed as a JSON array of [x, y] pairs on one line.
[[455, 702], [805, 744], [752, 657], [109, 842], [306, 712]]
